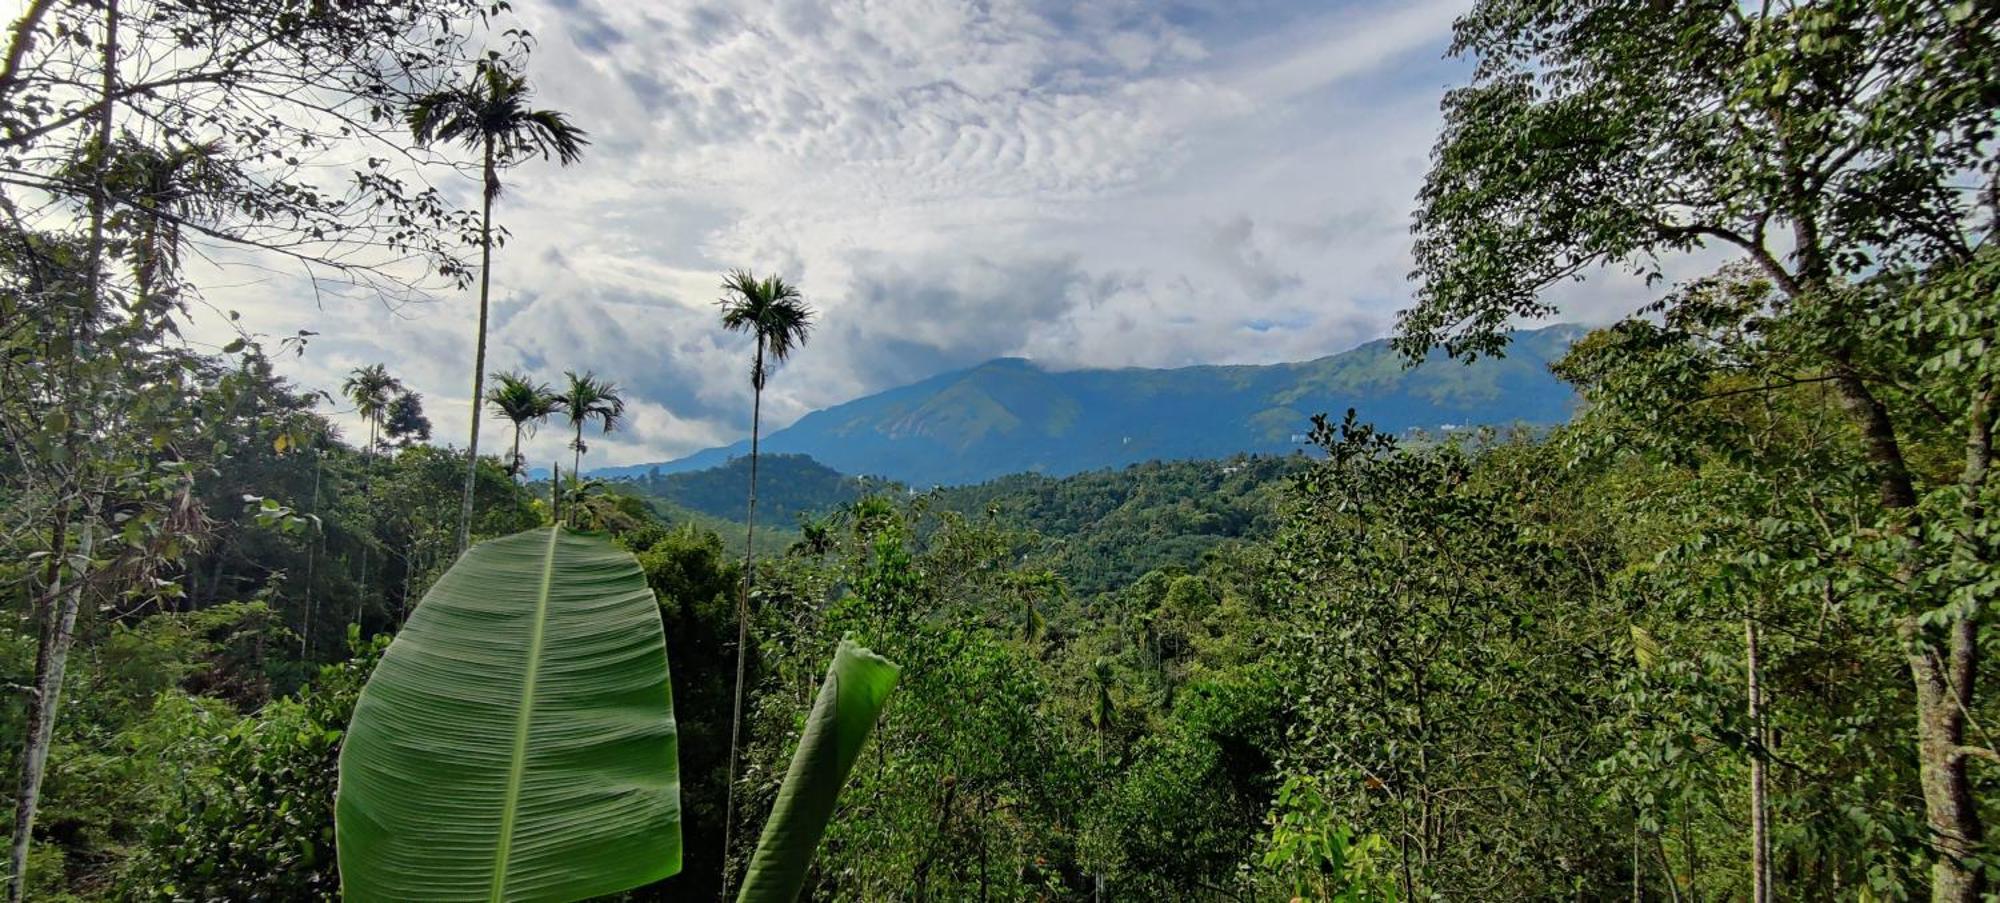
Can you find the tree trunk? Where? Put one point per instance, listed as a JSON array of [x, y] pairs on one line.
[[59, 631], [1944, 694], [1760, 832], [743, 608], [367, 489], [479, 349], [313, 542], [1638, 873], [51, 661]]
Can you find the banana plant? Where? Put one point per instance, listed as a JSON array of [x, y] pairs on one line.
[[517, 740]]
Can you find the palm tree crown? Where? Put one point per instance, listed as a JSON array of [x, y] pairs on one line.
[[770, 308], [493, 109], [589, 398], [525, 403], [372, 390]]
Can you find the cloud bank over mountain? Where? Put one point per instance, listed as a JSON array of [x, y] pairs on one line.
[[1122, 184]]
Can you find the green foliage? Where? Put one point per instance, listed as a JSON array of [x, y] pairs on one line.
[[1318, 858], [1103, 530], [250, 813], [849, 701], [1440, 665], [474, 783]]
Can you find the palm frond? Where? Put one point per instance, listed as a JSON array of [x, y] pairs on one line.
[[589, 398], [770, 308]]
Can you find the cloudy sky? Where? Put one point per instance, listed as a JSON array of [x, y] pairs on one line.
[[1099, 184]]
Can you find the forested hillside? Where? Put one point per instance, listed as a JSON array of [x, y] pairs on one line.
[[1099, 530], [791, 485], [1723, 634], [1008, 416]]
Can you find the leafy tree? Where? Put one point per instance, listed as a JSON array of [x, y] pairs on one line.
[[405, 424], [225, 124], [525, 403], [1832, 146], [490, 114], [252, 810], [1441, 668], [777, 314], [97, 495]]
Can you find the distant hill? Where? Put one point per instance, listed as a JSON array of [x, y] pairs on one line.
[[1105, 529], [788, 485], [1011, 416]]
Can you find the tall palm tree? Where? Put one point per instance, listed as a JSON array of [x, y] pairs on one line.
[[588, 398], [524, 402], [372, 390], [490, 114], [777, 314]]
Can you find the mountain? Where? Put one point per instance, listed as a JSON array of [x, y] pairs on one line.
[[1010, 416], [789, 485]]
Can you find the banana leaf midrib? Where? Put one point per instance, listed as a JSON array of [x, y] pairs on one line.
[[518, 762]]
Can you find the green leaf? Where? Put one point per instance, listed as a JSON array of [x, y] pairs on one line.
[[1644, 648], [857, 686], [517, 740]]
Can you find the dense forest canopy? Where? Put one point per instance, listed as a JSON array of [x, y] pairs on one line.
[[1723, 635]]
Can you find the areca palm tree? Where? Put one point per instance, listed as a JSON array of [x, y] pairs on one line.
[[490, 114], [588, 398], [777, 314], [524, 402], [372, 390]]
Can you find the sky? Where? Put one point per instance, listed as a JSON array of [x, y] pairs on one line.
[[1096, 184]]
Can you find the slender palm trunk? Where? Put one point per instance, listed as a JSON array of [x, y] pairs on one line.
[[514, 467], [479, 350], [1097, 879], [1760, 829], [59, 630], [312, 554], [743, 609], [367, 493], [576, 449]]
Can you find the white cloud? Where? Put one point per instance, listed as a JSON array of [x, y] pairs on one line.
[[950, 180]]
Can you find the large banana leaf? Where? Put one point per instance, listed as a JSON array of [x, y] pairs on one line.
[[517, 740], [850, 700]]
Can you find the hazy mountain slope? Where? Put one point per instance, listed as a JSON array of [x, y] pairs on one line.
[[787, 486], [1010, 416]]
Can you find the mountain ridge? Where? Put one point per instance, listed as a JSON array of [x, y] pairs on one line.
[[1009, 415]]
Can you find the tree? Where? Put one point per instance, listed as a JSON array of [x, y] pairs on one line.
[[176, 125], [1847, 151], [1440, 655], [777, 314], [588, 398], [373, 392], [525, 403], [406, 424], [287, 116], [163, 188], [490, 114]]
